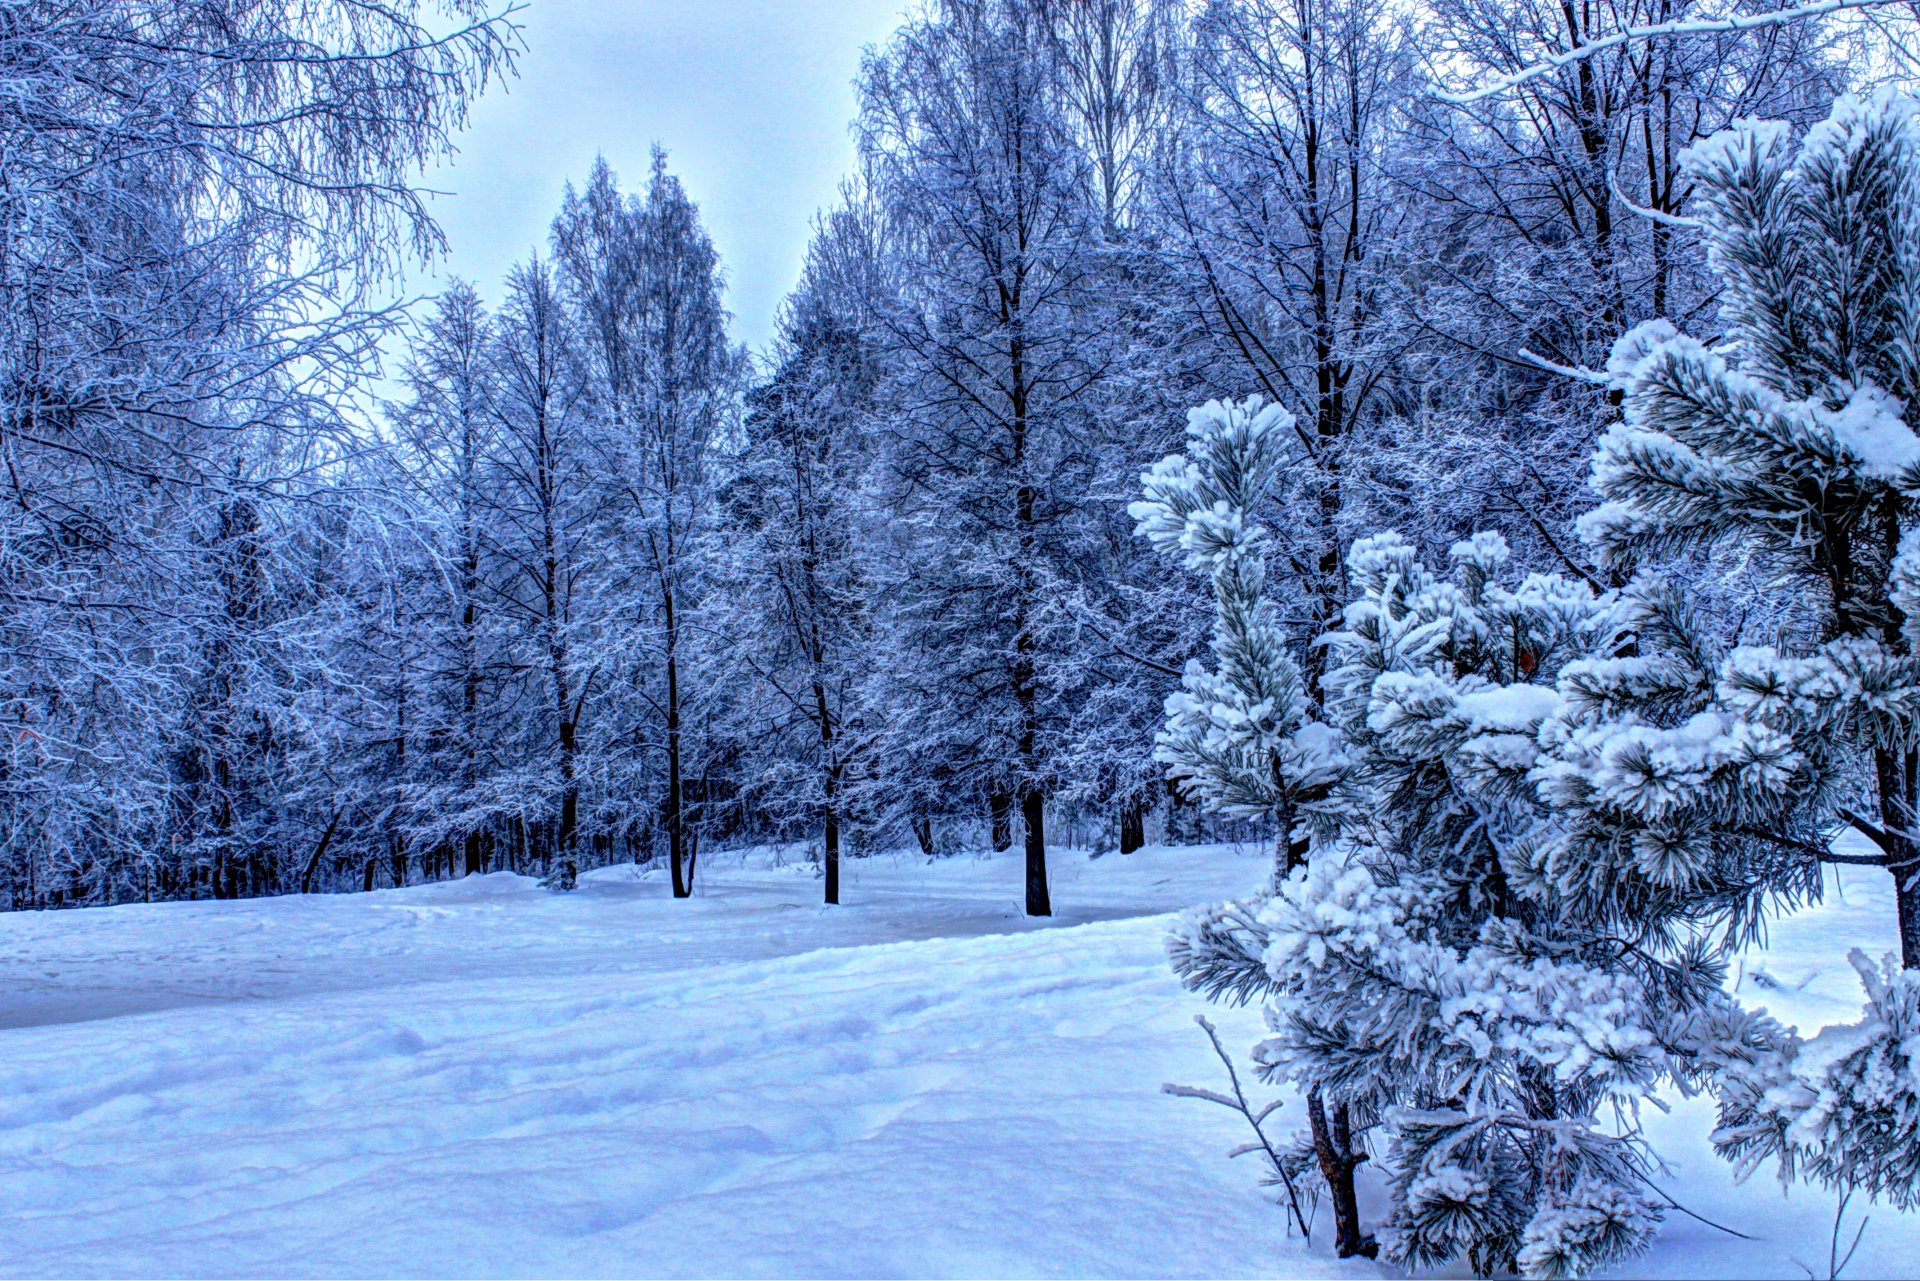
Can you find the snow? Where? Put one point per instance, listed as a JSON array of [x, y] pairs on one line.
[[481, 1077], [1631, 349], [1509, 708], [1871, 427]]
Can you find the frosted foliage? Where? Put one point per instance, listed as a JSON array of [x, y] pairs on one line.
[[1816, 246], [1418, 970], [1702, 785], [1472, 1008], [1237, 735], [1591, 1222], [1842, 1107]]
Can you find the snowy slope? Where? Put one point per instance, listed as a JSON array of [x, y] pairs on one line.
[[482, 1078]]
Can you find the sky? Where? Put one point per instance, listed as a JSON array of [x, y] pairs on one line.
[[751, 100]]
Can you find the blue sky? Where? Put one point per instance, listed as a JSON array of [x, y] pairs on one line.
[[751, 100]]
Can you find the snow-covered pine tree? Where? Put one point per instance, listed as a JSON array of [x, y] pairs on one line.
[[1688, 776], [1481, 1031], [1239, 738], [1428, 1008]]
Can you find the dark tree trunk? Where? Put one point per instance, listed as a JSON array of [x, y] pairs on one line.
[[830, 781], [1133, 827], [565, 831], [831, 840], [923, 833], [1898, 779], [1183, 818], [1033, 809], [319, 852], [1333, 1150], [1000, 810], [675, 799], [1287, 852]]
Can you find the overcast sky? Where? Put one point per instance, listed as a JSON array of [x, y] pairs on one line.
[[751, 100]]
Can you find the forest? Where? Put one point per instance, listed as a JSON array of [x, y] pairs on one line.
[[1467, 447]]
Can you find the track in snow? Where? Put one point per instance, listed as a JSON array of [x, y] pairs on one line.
[[482, 1078]]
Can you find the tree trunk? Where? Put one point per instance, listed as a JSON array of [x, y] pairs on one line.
[[675, 800], [564, 834], [831, 839], [1333, 1150], [1287, 855], [1033, 809], [1898, 777], [470, 645], [1000, 810], [319, 851], [923, 833], [1133, 827], [1183, 818]]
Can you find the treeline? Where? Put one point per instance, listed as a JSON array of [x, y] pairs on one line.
[[596, 587]]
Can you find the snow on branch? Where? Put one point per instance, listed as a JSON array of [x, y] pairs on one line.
[[1650, 214], [1580, 373], [1654, 31]]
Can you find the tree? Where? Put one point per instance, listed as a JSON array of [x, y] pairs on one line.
[[799, 508], [199, 200], [644, 281], [1798, 450], [1480, 1030], [1116, 57], [449, 438], [1240, 738], [1550, 218], [1282, 212], [1697, 773], [1446, 1002], [995, 347], [550, 503]]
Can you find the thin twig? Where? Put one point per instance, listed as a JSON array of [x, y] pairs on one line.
[[1239, 1104], [1837, 1262], [1699, 1218]]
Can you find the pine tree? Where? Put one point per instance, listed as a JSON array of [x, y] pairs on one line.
[[1437, 1014], [1239, 738], [1795, 445], [1708, 783]]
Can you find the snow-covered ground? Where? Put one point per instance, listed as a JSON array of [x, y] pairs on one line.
[[484, 1078]]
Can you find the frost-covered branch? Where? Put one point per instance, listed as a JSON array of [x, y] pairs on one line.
[[1677, 28]]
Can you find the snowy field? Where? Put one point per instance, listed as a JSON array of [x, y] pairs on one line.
[[484, 1078]]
